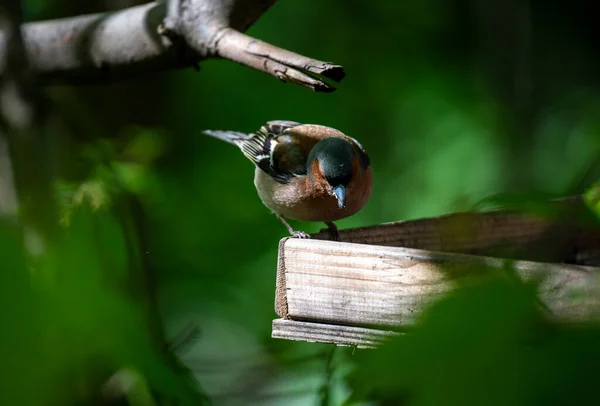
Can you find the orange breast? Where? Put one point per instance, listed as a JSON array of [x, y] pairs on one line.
[[305, 201]]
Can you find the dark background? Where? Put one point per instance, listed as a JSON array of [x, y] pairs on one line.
[[455, 101]]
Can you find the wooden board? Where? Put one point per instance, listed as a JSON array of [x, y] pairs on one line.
[[381, 277], [329, 333], [566, 232], [366, 285]]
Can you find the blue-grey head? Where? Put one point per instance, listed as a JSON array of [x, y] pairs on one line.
[[335, 157]]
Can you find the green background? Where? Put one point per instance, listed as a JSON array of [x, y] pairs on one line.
[[455, 101]]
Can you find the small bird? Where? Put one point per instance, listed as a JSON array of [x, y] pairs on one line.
[[306, 172]]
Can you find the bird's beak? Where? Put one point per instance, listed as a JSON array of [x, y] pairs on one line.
[[340, 194]]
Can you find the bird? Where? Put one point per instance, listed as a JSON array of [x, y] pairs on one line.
[[305, 172]]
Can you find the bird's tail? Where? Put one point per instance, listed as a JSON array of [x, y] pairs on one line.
[[232, 137]]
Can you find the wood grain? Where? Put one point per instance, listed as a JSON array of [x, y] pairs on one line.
[[382, 277], [564, 233], [329, 333], [367, 285]]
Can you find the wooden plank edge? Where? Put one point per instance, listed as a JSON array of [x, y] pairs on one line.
[[348, 336], [363, 234], [559, 283], [281, 304], [500, 232]]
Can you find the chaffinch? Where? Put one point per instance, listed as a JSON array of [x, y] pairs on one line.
[[306, 172]]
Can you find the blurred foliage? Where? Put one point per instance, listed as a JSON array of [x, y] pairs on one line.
[[161, 228], [484, 344]]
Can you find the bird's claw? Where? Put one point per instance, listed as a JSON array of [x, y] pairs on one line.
[[333, 231], [335, 235], [300, 234]]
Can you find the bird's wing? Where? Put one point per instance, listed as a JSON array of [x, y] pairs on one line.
[[279, 126], [232, 137], [271, 150]]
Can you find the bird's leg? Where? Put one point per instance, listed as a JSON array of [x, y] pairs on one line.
[[297, 234], [333, 230]]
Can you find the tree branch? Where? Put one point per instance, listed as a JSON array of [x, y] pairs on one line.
[[126, 43], [15, 78], [13, 110], [284, 65], [26, 174]]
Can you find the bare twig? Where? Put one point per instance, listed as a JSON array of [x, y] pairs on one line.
[[284, 65], [184, 339], [109, 46]]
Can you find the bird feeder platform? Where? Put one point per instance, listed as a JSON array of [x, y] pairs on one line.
[[378, 279]]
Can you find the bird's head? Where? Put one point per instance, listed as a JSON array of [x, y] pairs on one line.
[[333, 159]]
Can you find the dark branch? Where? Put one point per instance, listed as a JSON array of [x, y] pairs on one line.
[[26, 187], [14, 111], [14, 68], [139, 40]]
